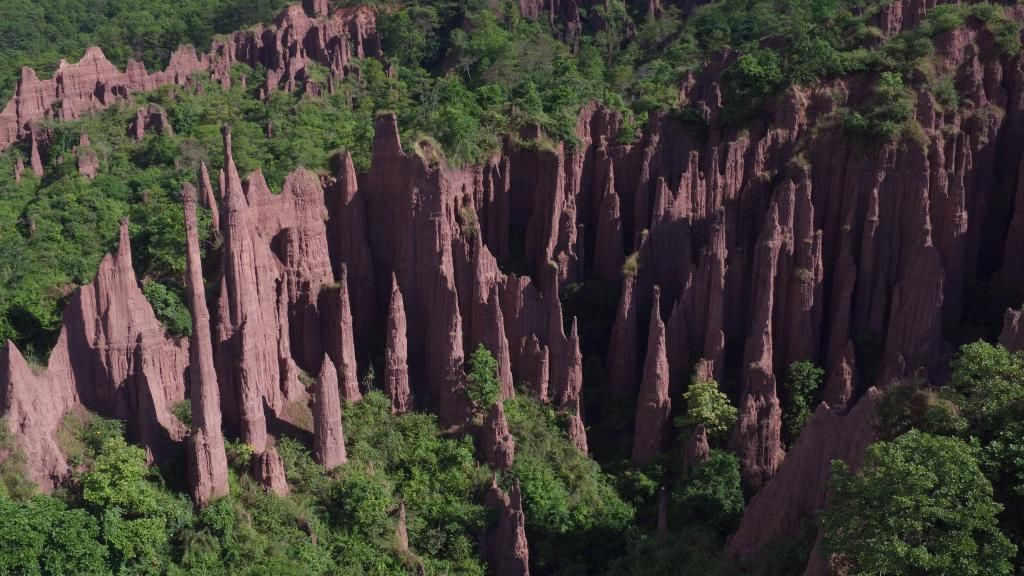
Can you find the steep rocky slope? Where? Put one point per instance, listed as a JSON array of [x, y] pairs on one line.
[[750, 249]]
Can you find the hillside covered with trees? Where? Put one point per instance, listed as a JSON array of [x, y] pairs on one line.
[[505, 288]]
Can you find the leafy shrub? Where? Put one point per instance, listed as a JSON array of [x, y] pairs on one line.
[[803, 379], [706, 405]]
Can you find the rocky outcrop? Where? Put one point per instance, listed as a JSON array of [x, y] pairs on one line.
[[284, 48], [90, 84], [396, 354], [757, 438], [654, 406], [350, 246], [506, 549], [498, 446], [88, 162], [112, 357], [19, 169], [34, 406], [842, 381], [622, 348], [328, 436], [207, 460], [248, 362], [1012, 336], [152, 118], [799, 491], [268, 470], [339, 337]]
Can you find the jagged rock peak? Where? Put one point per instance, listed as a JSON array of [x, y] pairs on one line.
[[328, 436], [498, 445], [508, 553], [207, 460], [268, 470], [622, 349], [654, 406], [396, 354]]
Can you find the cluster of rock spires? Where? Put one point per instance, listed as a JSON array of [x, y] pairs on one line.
[[296, 38], [754, 249]]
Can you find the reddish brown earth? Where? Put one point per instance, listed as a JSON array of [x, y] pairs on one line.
[[756, 248]]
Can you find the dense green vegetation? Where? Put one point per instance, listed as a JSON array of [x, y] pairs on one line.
[[941, 493], [38, 33]]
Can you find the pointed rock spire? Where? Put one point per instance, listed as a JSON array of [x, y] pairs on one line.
[[249, 325], [507, 551], [396, 354], [654, 406], [350, 245], [207, 198], [340, 341], [498, 445], [37, 161], [757, 438], [622, 348], [207, 461], [268, 470], [328, 436], [535, 367], [608, 251], [19, 169]]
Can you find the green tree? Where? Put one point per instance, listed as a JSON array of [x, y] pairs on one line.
[[919, 505], [706, 405], [482, 386], [803, 379], [710, 494], [991, 380]]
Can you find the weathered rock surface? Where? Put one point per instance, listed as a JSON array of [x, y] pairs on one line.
[[268, 470], [507, 552], [654, 406], [498, 446], [152, 118], [284, 49], [88, 162], [1012, 336], [207, 460], [799, 490], [339, 336], [113, 357], [622, 348], [248, 363], [396, 354], [328, 436]]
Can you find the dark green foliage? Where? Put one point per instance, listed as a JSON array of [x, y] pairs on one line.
[[909, 406], [170, 308], [710, 495], [991, 380], [803, 379], [482, 386], [38, 33], [575, 521], [707, 405], [920, 505], [889, 113]]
